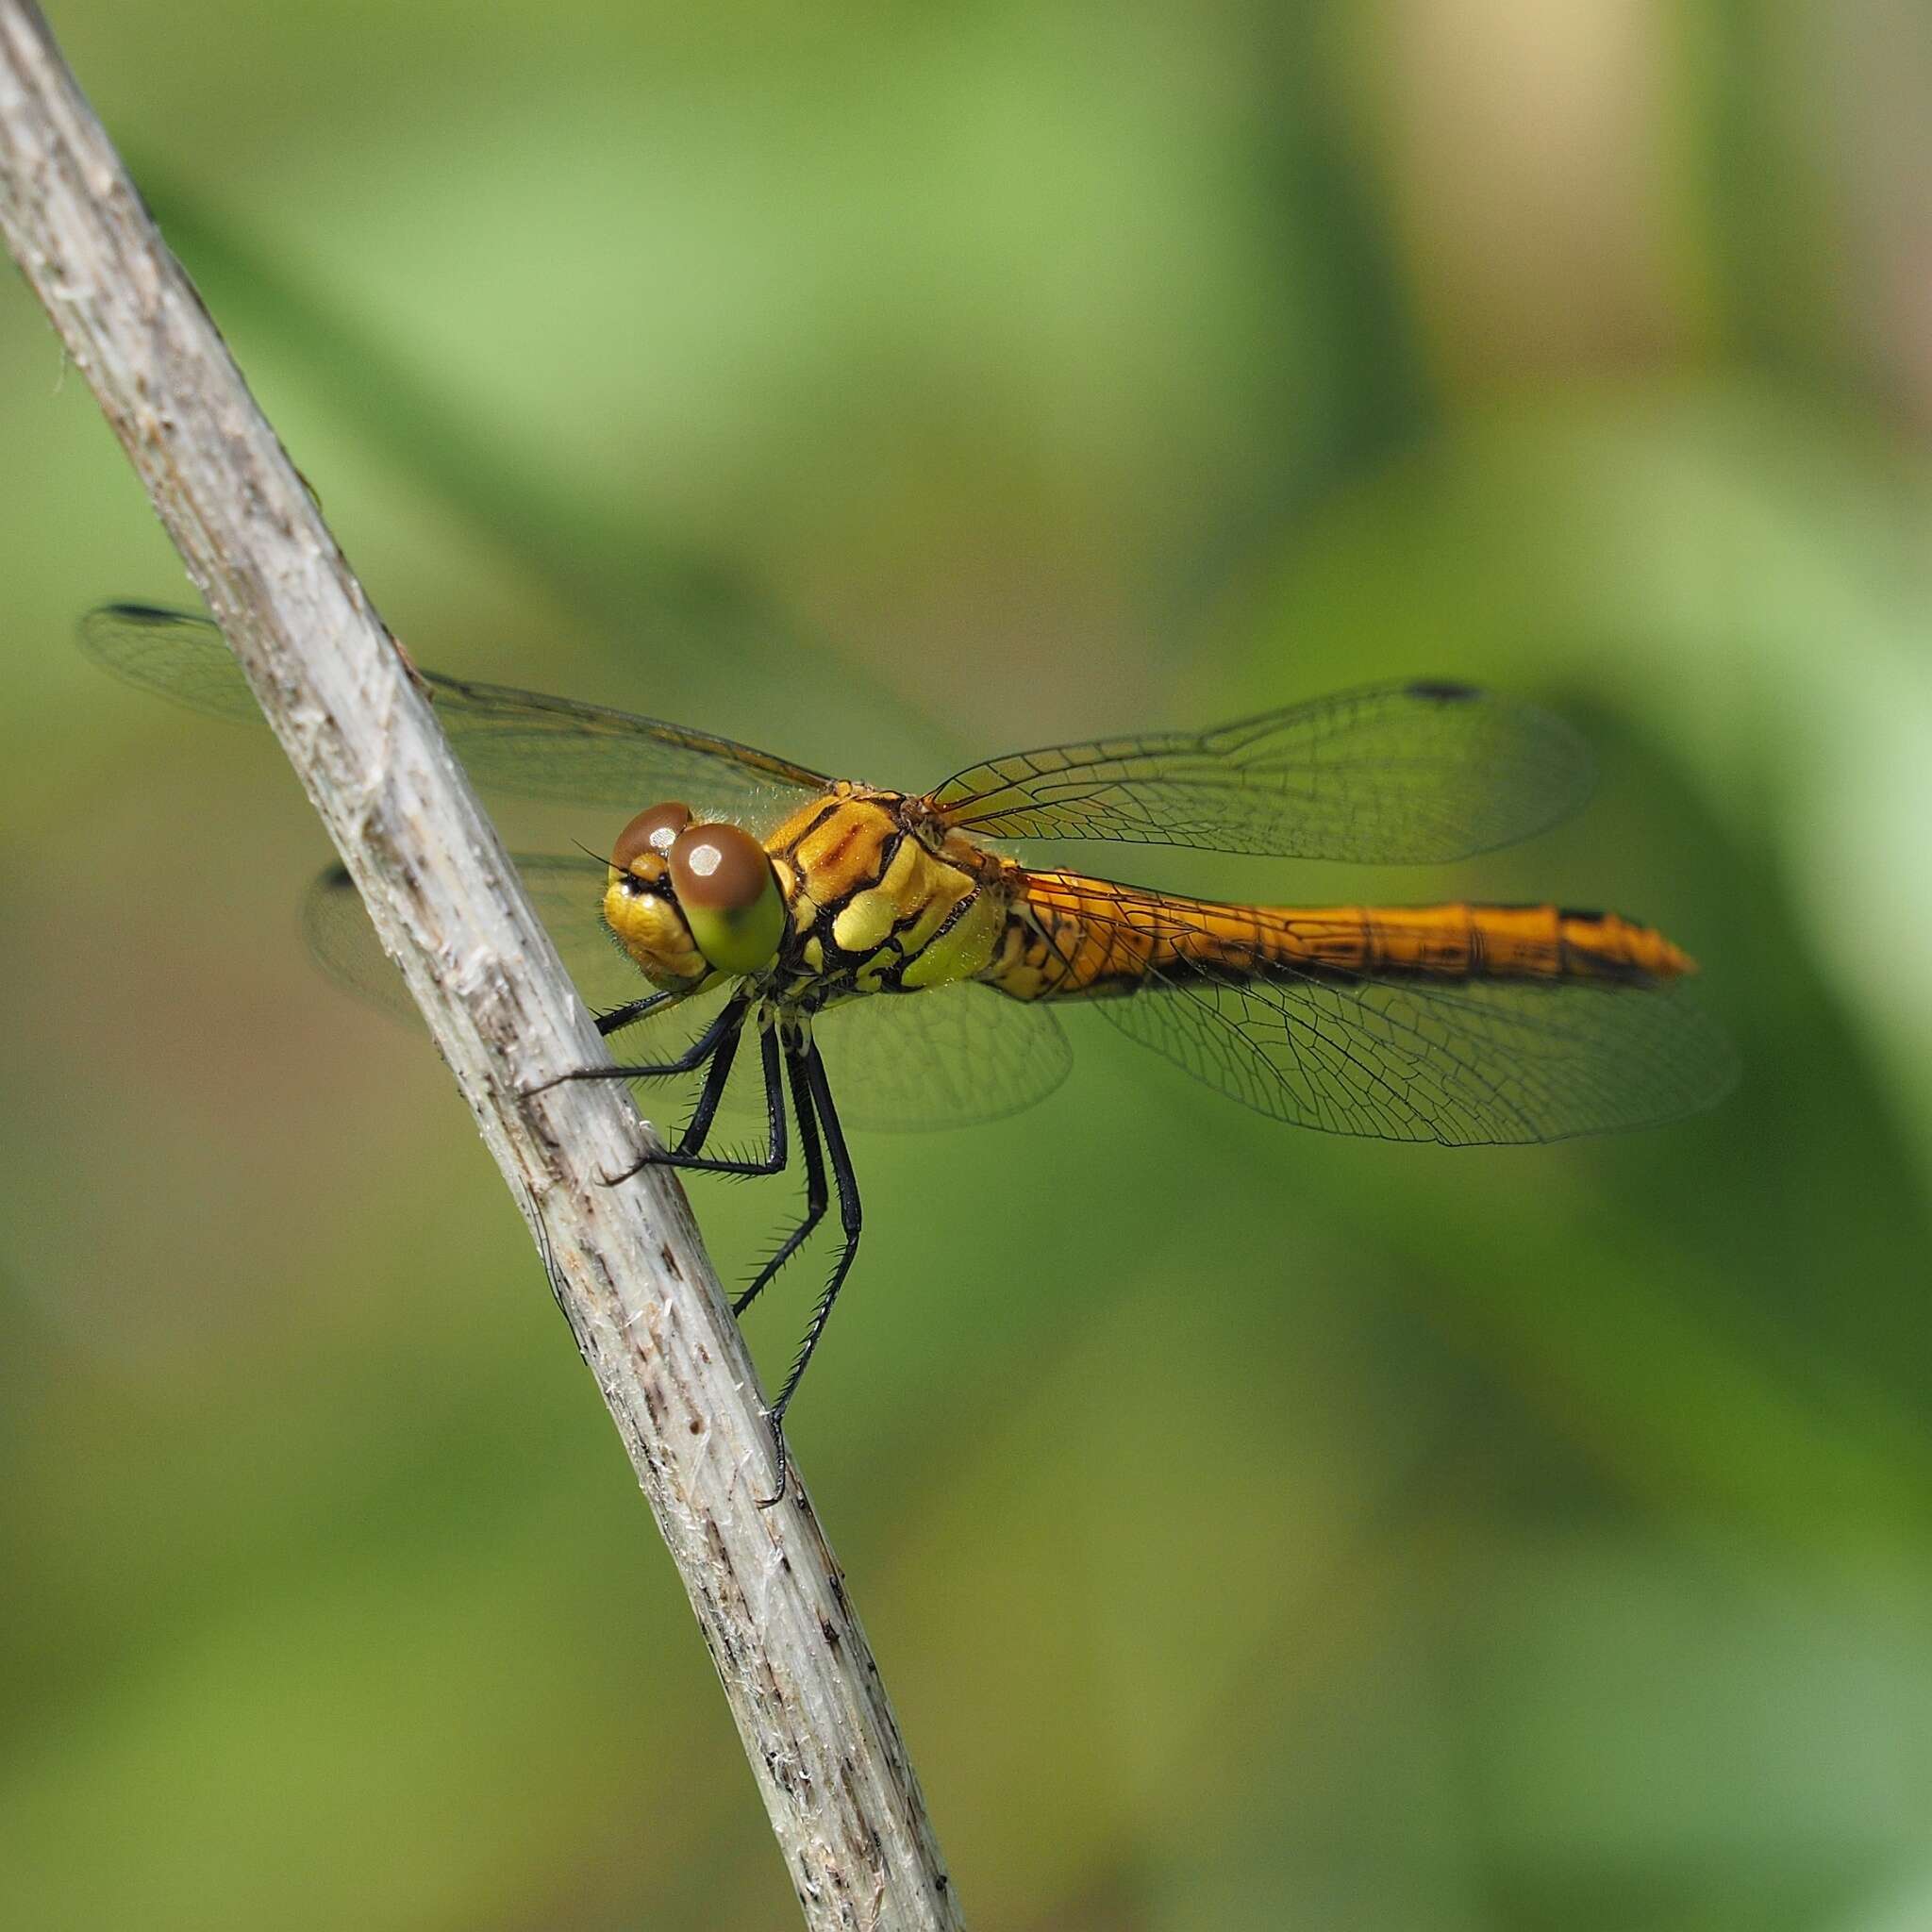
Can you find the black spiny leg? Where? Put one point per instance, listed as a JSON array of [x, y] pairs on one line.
[[685, 1156], [730, 1018], [815, 1191], [811, 1099], [849, 1219], [697, 1129], [633, 1010]]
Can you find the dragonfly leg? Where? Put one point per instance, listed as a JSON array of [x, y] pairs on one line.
[[730, 1018], [697, 1129], [688, 1158], [850, 1221], [632, 1011], [816, 1193]]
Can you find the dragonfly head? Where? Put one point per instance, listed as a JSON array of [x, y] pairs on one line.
[[690, 901]]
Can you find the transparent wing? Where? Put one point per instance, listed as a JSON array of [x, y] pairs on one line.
[[179, 657], [1413, 774], [1493, 1061], [946, 1057], [1464, 1063], [336, 927], [512, 740], [568, 893], [340, 935], [556, 748]]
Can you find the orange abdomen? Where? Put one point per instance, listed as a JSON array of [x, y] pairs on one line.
[[1068, 936]]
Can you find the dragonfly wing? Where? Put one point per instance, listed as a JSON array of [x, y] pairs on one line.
[[1488, 1062], [946, 1057], [1414, 774], [1462, 1061], [566, 891], [336, 925], [344, 943], [544, 747], [176, 656], [510, 740]]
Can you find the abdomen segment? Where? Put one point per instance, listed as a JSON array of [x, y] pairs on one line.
[[1071, 937]]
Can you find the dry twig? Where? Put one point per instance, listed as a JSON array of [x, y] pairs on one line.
[[627, 1262]]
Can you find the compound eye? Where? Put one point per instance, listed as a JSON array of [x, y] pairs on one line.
[[728, 895], [718, 868], [654, 829]]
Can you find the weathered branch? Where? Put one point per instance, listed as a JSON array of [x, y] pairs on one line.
[[625, 1261]]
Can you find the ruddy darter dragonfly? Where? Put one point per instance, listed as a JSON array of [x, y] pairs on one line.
[[877, 937]]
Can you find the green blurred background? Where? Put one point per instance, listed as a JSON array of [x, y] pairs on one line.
[[1294, 1532]]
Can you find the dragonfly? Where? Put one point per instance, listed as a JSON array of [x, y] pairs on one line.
[[890, 942]]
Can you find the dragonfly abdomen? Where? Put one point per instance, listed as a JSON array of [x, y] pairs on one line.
[[1472, 941], [1071, 937]]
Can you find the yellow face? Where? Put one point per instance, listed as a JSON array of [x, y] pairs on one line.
[[690, 902]]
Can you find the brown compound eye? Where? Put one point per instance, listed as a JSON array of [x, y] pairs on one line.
[[653, 830], [730, 896], [720, 868]]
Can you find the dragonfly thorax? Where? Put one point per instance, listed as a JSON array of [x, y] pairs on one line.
[[880, 899]]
